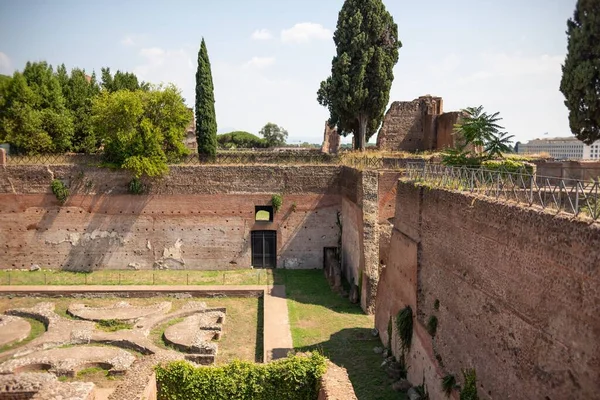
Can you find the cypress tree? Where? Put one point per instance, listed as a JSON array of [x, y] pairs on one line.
[[358, 90], [581, 72], [206, 119]]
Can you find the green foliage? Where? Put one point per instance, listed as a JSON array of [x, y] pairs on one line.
[[206, 119], [121, 81], [113, 325], [479, 138], [469, 390], [240, 140], [142, 130], [508, 165], [422, 391], [294, 206], [274, 135], [276, 202], [358, 90], [432, 324], [404, 326], [448, 384], [580, 82], [436, 304], [60, 191], [136, 186], [292, 378]]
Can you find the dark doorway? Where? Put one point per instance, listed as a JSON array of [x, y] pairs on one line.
[[264, 249]]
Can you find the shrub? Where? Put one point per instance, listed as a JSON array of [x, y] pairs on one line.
[[292, 378], [432, 325], [508, 165], [469, 391], [276, 202], [60, 191], [136, 186], [404, 325], [112, 325], [448, 384]]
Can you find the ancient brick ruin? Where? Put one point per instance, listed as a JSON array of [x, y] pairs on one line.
[[418, 125], [331, 140]]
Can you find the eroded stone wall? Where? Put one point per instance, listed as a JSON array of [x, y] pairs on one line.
[[195, 218], [518, 294]]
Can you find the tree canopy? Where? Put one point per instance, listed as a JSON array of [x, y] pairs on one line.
[[357, 92], [580, 82], [274, 135], [240, 140], [206, 119], [142, 130]]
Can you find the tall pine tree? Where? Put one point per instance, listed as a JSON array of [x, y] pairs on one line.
[[581, 73], [206, 119], [358, 90]]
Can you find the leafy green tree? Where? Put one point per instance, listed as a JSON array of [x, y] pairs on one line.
[[79, 94], [240, 140], [142, 130], [580, 82], [121, 81], [358, 89], [206, 119], [499, 144], [274, 135]]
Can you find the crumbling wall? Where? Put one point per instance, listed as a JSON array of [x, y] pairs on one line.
[[516, 292], [331, 140], [402, 128], [581, 170], [444, 128], [195, 218]]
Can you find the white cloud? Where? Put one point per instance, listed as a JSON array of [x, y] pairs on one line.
[[260, 62], [5, 64], [175, 66], [496, 65], [261, 34], [305, 32]]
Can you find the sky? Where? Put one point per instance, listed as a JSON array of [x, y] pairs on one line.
[[268, 57]]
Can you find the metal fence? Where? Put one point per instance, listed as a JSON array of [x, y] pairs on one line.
[[571, 196]]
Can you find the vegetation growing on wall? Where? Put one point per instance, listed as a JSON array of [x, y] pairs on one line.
[[432, 324], [60, 191], [136, 186], [276, 202], [292, 378], [404, 326], [469, 390], [448, 384]]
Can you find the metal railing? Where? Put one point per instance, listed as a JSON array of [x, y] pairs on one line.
[[570, 196]]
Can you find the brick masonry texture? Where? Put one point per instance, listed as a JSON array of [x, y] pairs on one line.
[[195, 218], [518, 291]]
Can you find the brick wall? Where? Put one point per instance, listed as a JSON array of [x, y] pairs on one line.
[[195, 218], [518, 292]]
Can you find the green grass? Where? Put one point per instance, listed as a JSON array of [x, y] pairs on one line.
[[113, 325], [37, 328], [91, 371], [157, 334], [145, 277], [321, 319]]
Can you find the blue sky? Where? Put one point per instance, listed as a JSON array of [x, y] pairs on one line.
[[269, 56]]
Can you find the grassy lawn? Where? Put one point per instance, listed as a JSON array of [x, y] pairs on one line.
[[242, 332], [321, 319], [144, 277]]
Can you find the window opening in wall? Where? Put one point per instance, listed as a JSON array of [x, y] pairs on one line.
[[263, 213]]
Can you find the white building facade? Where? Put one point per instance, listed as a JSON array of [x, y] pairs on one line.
[[562, 148]]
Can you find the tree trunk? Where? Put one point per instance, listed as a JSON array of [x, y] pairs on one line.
[[362, 132]]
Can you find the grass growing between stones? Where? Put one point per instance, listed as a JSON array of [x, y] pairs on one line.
[[37, 328], [142, 277], [113, 325], [321, 319]]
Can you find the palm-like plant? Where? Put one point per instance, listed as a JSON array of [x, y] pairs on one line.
[[500, 143], [478, 127]]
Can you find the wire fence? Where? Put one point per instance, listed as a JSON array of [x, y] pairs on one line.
[[572, 196]]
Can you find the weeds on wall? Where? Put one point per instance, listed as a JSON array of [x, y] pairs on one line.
[[449, 384], [469, 390], [136, 186], [404, 325], [276, 202], [436, 304], [294, 206], [60, 191], [422, 390], [432, 324]]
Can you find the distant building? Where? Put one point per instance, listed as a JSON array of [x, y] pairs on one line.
[[562, 148]]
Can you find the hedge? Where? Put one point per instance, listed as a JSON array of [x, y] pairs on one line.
[[508, 165], [292, 378]]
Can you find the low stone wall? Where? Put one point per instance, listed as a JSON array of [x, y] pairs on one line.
[[336, 385]]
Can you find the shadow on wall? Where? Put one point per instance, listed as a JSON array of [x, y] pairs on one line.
[[323, 327]]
